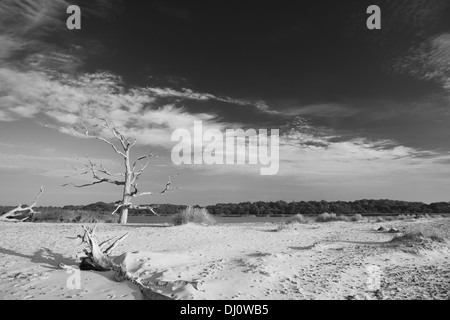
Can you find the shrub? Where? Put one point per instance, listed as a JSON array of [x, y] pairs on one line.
[[281, 226], [408, 237], [299, 218], [380, 219], [415, 237], [194, 215], [436, 238], [356, 217], [328, 217]]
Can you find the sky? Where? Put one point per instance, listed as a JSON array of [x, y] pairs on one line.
[[362, 114]]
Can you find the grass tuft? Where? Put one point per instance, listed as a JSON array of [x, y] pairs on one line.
[[415, 237], [281, 226], [356, 217], [193, 215], [299, 218], [330, 217]]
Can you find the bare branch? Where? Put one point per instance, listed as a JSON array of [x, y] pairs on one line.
[[136, 175], [95, 168], [41, 191], [104, 171], [125, 142], [142, 158], [136, 194], [110, 249], [121, 206], [134, 142], [11, 215], [152, 210], [102, 139]]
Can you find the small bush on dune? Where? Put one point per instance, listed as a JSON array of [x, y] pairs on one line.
[[415, 237], [329, 217], [436, 238], [281, 226], [326, 217], [194, 215], [356, 217], [299, 218], [408, 237]]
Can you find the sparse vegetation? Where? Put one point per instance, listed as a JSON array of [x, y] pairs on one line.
[[281, 226], [299, 218], [415, 237], [356, 217], [329, 217], [73, 216], [193, 215]]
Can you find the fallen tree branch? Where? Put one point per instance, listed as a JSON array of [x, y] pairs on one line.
[[98, 259], [12, 215]]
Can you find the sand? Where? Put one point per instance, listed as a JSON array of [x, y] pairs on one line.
[[336, 260]]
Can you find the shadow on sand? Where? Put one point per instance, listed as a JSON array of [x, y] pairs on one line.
[[45, 257]]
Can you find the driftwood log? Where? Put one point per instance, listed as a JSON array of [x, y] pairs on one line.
[[21, 210], [98, 258]]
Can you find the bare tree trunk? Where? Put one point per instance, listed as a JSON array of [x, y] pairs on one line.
[[123, 216], [126, 190]]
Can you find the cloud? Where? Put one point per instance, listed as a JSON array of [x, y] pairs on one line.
[[317, 155], [429, 61], [191, 95], [43, 79], [306, 150], [46, 83], [321, 110], [5, 116], [51, 164]]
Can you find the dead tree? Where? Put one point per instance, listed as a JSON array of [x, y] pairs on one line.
[[129, 179], [21, 210], [98, 258]]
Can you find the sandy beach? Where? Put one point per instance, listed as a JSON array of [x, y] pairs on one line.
[[338, 260]]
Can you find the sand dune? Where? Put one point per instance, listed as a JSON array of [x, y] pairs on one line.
[[339, 260]]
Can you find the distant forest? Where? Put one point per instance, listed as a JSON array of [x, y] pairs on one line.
[[290, 208]]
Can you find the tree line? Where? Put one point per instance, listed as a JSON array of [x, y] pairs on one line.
[[318, 207], [289, 208]]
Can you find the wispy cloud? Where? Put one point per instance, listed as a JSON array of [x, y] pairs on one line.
[[45, 81], [40, 84], [429, 61], [321, 110], [49, 164]]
